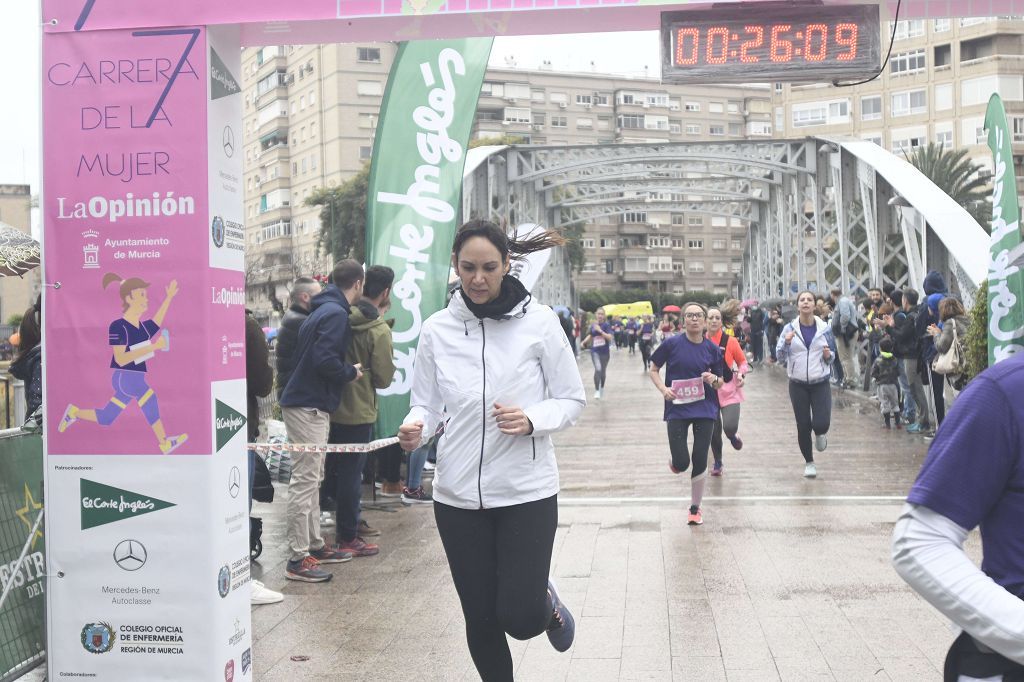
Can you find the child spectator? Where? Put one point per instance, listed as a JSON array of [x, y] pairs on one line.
[[885, 371]]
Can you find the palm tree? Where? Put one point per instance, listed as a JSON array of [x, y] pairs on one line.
[[956, 175]]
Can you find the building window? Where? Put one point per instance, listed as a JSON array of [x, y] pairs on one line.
[[909, 102], [696, 266], [632, 121], [602, 100], [906, 145], [907, 62], [677, 218], [691, 106], [656, 122], [370, 88], [759, 129], [585, 100], [675, 128], [365, 152], [909, 29], [634, 217], [735, 129], [558, 98], [945, 138], [695, 244], [944, 97], [368, 54], [608, 243], [821, 113], [1018, 128], [604, 123], [871, 108], [717, 243], [677, 243], [590, 267], [715, 108], [609, 266], [716, 130], [693, 130], [517, 115], [559, 122], [735, 245], [585, 123], [588, 243], [720, 268], [940, 25], [734, 107], [737, 266], [537, 95], [677, 266], [695, 221]]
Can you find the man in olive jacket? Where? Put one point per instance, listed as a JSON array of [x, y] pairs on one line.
[[353, 421]]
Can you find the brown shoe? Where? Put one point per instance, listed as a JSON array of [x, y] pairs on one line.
[[391, 489], [366, 530]]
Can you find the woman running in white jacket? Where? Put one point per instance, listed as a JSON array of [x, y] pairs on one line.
[[808, 348], [503, 371]]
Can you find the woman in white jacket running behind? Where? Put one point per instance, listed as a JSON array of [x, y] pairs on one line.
[[502, 370], [808, 349]]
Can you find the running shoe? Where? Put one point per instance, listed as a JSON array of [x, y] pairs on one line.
[[262, 595], [417, 496], [429, 466], [821, 442], [562, 630], [716, 469], [810, 471], [390, 489], [694, 517], [308, 571], [173, 443], [329, 554], [597, 394], [366, 530], [326, 520], [914, 428], [672, 468], [737, 442], [358, 547], [69, 418]]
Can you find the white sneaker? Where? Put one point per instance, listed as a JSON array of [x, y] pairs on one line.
[[429, 466], [810, 471], [597, 394], [326, 520], [821, 442], [262, 595]]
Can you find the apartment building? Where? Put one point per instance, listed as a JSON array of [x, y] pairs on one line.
[[310, 117], [935, 88]]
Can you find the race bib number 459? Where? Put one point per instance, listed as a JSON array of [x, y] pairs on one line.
[[688, 390]]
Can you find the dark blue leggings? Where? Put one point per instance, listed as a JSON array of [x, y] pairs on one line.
[[812, 407]]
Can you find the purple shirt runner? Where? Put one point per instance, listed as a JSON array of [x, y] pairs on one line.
[[808, 333], [684, 359], [974, 472]]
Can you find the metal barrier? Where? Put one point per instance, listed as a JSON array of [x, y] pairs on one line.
[[22, 562]]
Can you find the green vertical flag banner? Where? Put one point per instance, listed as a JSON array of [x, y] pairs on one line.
[[1005, 278], [416, 187]]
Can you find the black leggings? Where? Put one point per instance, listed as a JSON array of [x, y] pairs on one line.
[[645, 353], [812, 407], [729, 420], [500, 560], [938, 384], [600, 368], [702, 430]]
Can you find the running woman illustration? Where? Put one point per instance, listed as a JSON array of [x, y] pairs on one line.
[[134, 342]]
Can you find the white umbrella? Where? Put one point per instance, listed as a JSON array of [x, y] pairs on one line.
[[19, 252]]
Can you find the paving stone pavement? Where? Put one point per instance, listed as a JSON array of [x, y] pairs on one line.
[[788, 579]]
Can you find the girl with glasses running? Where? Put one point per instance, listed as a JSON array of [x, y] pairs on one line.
[[694, 371], [808, 349]]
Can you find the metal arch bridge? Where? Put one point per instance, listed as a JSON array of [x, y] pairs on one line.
[[820, 212]]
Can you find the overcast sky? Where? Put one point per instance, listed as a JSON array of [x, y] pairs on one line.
[[623, 53]]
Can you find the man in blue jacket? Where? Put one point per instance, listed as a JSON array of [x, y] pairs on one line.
[[312, 394]]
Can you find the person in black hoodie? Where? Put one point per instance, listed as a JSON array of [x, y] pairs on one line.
[[313, 392], [934, 283], [303, 291], [28, 365]]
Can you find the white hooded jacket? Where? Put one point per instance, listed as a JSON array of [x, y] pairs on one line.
[[464, 366]]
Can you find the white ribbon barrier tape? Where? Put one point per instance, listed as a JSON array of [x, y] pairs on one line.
[[301, 447]]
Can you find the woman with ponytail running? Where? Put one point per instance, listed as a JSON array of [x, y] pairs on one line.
[[134, 341], [808, 349], [731, 394], [694, 371], [496, 354]]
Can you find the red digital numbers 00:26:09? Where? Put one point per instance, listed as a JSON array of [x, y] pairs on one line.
[[815, 43]]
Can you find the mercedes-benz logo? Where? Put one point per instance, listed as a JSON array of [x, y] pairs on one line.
[[234, 481], [228, 140], [130, 555]]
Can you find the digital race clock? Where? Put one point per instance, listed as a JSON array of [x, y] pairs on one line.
[[770, 42]]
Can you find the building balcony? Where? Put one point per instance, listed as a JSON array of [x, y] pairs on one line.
[[273, 249], [633, 229], [273, 154], [642, 276], [276, 63], [272, 215], [278, 92], [277, 123], [263, 186]]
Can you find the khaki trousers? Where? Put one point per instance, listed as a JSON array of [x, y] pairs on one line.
[[307, 426]]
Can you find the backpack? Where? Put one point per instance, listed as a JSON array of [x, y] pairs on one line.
[[262, 488]]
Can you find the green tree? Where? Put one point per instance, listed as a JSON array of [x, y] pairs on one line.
[[976, 343], [343, 217], [954, 173], [497, 140], [15, 320]]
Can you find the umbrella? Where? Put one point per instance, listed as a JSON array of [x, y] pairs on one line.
[[749, 302], [670, 309], [562, 310], [19, 253], [270, 332]]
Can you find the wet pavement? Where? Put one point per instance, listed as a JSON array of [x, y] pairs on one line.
[[788, 578]]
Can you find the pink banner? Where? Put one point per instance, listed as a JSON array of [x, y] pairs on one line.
[[128, 334]]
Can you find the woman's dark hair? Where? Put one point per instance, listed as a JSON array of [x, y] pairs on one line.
[[948, 307], [727, 319], [30, 333], [814, 297], [510, 248]]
